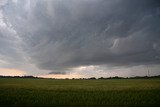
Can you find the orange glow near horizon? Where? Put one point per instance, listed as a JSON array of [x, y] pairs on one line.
[[62, 76], [11, 72]]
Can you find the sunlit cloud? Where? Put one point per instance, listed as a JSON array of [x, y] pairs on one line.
[[63, 76], [11, 72]]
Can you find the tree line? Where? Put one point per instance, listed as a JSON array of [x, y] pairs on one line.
[[91, 78]]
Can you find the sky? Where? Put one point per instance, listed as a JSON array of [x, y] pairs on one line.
[[79, 38]]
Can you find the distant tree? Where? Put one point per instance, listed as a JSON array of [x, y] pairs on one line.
[[92, 78], [101, 78], [30, 76]]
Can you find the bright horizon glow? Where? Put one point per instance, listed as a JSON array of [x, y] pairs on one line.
[[62, 76], [11, 72]]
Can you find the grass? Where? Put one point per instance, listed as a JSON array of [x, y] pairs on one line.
[[18, 92]]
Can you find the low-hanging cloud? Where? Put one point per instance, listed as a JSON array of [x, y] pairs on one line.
[[63, 34]]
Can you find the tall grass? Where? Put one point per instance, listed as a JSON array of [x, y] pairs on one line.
[[82, 93]]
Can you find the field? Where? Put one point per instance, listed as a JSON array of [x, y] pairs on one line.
[[25, 92]]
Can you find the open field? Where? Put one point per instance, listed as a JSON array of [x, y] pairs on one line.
[[20, 92]]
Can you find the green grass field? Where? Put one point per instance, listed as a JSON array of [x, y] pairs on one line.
[[20, 92]]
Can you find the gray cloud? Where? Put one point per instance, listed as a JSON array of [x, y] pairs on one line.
[[60, 34], [57, 72]]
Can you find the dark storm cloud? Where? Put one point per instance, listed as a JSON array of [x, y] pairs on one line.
[[56, 72], [68, 33]]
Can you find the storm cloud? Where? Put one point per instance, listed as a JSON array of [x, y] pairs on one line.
[[59, 35]]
